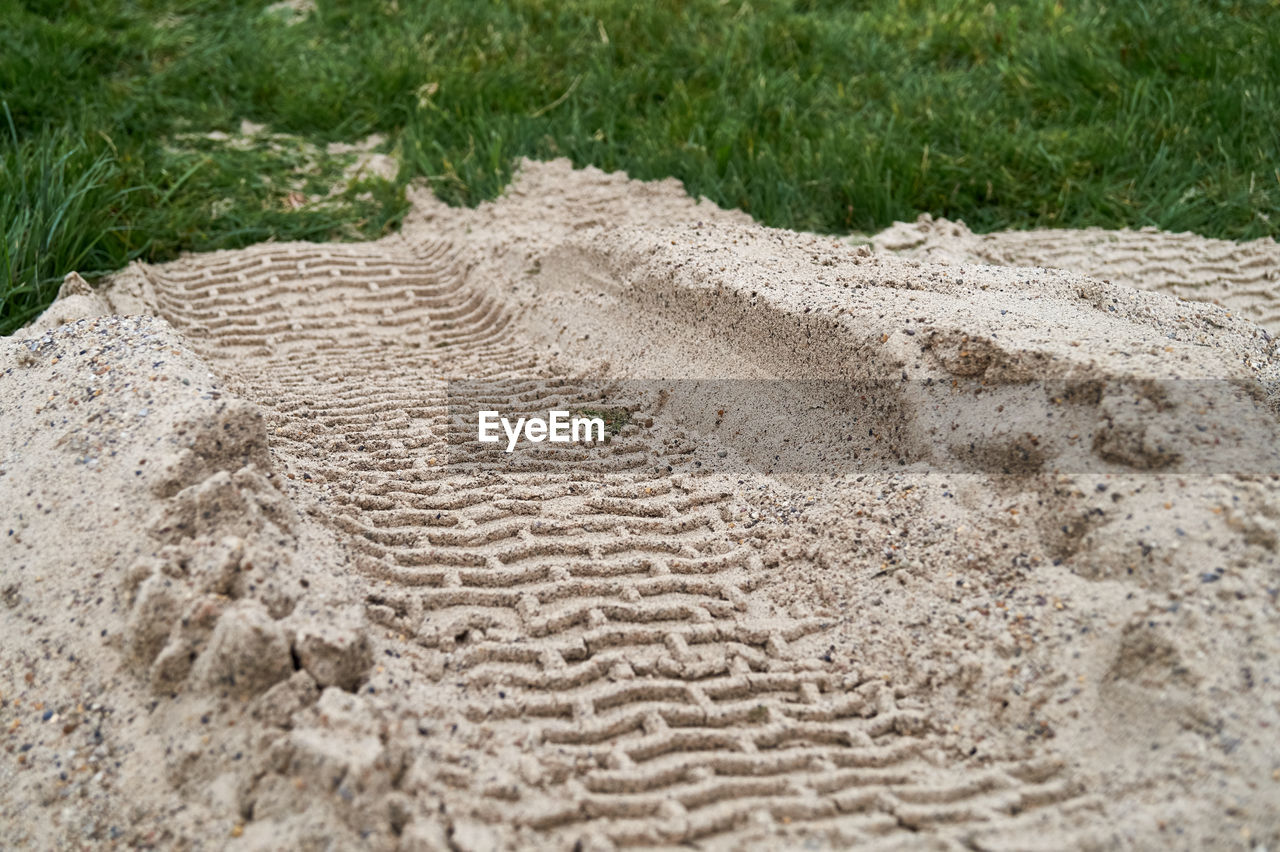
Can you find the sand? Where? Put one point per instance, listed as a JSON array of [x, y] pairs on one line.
[[1243, 277], [820, 588]]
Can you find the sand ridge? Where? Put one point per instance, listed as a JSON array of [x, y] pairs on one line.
[[327, 624]]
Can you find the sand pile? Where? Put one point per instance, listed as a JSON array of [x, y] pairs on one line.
[[900, 552]]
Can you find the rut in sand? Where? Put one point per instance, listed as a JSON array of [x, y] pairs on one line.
[[596, 611]]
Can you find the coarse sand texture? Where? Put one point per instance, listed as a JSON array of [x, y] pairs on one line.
[[257, 594]]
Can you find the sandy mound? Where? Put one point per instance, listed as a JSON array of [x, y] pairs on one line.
[[905, 553]]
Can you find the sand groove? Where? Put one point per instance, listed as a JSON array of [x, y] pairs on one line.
[[584, 602]]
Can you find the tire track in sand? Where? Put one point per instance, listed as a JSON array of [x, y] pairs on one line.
[[592, 606], [1244, 276]]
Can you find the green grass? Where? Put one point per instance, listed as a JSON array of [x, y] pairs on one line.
[[59, 213], [614, 418], [810, 114]]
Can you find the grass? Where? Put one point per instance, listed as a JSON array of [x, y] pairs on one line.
[[614, 418], [59, 212], [809, 114]]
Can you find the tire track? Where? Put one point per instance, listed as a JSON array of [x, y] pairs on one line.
[[1244, 277], [588, 603]]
